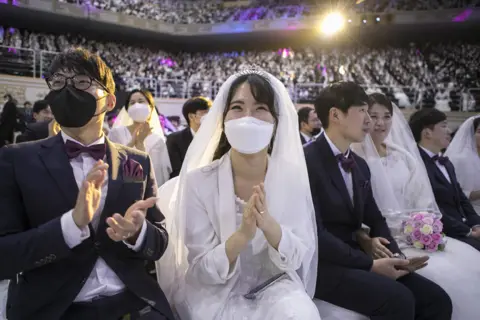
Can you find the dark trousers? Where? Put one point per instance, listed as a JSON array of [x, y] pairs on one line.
[[471, 241], [119, 307], [380, 298]]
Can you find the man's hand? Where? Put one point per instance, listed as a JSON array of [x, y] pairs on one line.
[[89, 195], [389, 267], [128, 227], [476, 232]]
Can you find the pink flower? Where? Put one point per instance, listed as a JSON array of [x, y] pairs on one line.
[[432, 247], [426, 240], [428, 220], [416, 235], [417, 224], [436, 238], [418, 216]]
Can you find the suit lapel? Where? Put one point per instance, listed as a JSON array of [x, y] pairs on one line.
[[358, 182], [56, 161], [115, 158], [333, 170], [438, 173]]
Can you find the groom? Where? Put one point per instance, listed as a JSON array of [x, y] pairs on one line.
[[79, 219], [342, 195], [460, 221]]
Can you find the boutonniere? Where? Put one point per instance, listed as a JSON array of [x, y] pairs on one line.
[[132, 171]]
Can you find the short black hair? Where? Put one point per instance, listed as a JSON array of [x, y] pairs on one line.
[[303, 114], [193, 105], [27, 102], [340, 95], [82, 61], [476, 123], [147, 94], [381, 99], [174, 118], [40, 105], [425, 118]]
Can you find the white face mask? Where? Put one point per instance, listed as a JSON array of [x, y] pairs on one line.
[[139, 112], [248, 135]]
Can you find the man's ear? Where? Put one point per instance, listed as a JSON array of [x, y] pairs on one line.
[[111, 102]]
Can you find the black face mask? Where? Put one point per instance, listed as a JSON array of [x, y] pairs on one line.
[[316, 131], [72, 108]]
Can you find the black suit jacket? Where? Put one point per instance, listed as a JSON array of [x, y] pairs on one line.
[[8, 123], [34, 131], [37, 187], [177, 145], [458, 215], [337, 218]]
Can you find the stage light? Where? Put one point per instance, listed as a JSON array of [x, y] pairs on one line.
[[332, 23]]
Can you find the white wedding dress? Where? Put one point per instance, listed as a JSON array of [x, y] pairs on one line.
[[457, 269], [3, 299], [154, 145]]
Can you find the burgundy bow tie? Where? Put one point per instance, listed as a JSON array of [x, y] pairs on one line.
[[347, 163], [73, 149], [441, 159]]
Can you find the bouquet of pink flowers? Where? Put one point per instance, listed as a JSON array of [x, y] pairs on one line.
[[423, 230]]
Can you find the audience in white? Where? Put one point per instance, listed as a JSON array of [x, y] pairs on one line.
[[440, 75]]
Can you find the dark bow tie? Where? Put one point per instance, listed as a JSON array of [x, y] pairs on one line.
[[347, 163], [74, 149], [441, 159]]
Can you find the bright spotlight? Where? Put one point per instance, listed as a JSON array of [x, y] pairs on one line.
[[333, 23]]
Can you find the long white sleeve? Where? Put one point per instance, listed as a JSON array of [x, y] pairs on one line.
[[206, 253], [291, 250]]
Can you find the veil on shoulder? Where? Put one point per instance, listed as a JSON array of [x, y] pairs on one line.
[[463, 153], [124, 120], [286, 159], [418, 190]]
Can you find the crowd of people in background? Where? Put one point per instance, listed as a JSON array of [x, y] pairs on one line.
[[441, 75], [185, 12]]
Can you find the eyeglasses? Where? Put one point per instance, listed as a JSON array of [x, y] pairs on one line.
[[80, 82]]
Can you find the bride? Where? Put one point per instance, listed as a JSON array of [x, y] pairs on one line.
[[464, 152], [400, 183], [243, 230]]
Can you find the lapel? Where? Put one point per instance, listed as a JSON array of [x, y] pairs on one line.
[[438, 174], [358, 182], [56, 162], [226, 198], [115, 159], [451, 174], [331, 166]]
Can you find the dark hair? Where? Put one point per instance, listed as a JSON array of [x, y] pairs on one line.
[[303, 114], [425, 118], [262, 92], [174, 118], [476, 123], [381, 99], [40, 105], [8, 96], [27, 102], [147, 94], [341, 95], [81, 61], [193, 105]]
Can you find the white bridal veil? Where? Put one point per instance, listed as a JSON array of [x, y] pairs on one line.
[[463, 153], [417, 192], [288, 188]]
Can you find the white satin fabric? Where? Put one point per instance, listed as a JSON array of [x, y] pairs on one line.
[[3, 299], [155, 147]]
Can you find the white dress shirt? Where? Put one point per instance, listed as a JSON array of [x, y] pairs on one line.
[[102, 281], [439, 166], [306, 137], [347, 176]]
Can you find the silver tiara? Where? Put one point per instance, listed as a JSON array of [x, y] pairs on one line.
[[253, 69]]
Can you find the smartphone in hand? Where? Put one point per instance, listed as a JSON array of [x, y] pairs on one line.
[[416, 263]]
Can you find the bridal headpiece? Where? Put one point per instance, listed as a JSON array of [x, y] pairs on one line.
[[253, 69]]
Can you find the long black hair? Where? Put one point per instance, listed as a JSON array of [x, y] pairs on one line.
[[262, 91]]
